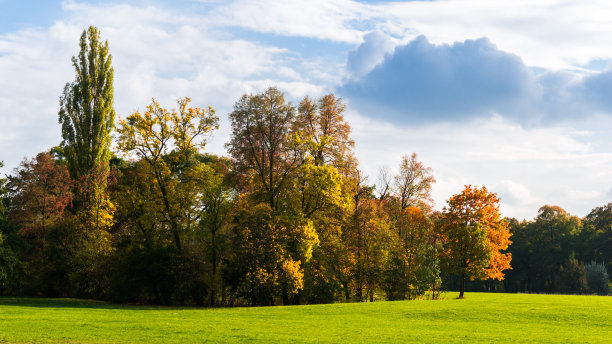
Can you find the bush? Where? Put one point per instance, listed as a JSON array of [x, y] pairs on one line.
[[597, 278]]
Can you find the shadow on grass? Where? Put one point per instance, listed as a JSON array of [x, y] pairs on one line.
[[37, 302]]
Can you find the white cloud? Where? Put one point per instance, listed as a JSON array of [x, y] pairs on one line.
[[332, 20], [549, 34]]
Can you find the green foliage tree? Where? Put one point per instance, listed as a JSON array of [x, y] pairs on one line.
[[543, 246], [3, 192], [368, 238], [8, 258], [571, 278], [595, 238], [86, 107]]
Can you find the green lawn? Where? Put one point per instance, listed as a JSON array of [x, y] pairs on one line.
[[481, 317]]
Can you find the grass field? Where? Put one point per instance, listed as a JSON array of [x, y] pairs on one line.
[[481, 317]]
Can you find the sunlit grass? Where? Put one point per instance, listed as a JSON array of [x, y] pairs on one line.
[[481, 317]]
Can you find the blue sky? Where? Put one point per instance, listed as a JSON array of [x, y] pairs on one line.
[[513, 95]]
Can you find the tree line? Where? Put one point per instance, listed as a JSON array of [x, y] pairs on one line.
[[286, 218]]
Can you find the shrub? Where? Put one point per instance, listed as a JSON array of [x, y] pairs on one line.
[[597, 278]]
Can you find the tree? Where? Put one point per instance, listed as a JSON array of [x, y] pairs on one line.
[[367, 236], [552, 237], [40, 192], [167, 142], [87, 118], [261, 143], [324, 134], [412, 186], [3, 192], [474, 236], [596, 236], [86, 107], [215, 201], [8, 258], [267, 254], [315, 189], [571, 277], [418, 243], [413, 267]]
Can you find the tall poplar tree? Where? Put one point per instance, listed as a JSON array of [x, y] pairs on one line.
[[86, 107]]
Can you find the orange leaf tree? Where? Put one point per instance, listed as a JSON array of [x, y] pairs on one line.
[[474, 236]]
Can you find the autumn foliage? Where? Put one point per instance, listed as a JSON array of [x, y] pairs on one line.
[[474, 235], [287, 217]]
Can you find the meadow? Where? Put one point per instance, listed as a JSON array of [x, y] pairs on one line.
[[481, 317]]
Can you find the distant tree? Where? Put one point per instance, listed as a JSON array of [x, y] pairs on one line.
[[552, 235], [384, 184], [86, 107], [8, 258], [474, 236], [572, 278], [596, 237]]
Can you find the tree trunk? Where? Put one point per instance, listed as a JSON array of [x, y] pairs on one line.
[[285, 296], [214, 270], [347, 291], [462, 288]]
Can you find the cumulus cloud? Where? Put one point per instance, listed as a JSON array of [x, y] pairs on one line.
[[369, 54], [421, 80], [597, 88]]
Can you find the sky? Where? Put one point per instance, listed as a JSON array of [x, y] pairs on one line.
[[516, 95]]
